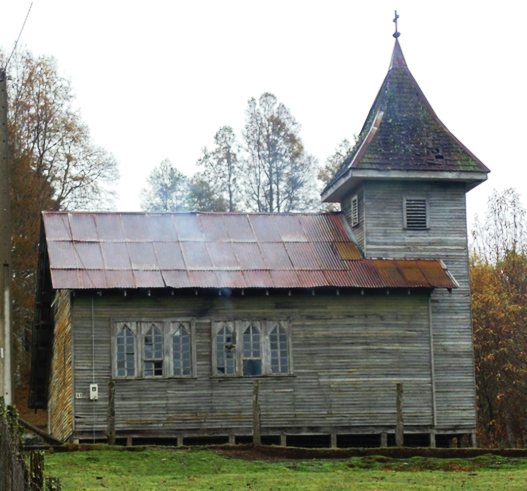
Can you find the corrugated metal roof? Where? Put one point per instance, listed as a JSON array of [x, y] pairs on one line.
[[220, 250]]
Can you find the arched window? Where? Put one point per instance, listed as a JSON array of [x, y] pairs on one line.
[[182, 351], [125, 352], [279, 350], [225, 351], [153, 352], [252, 351]]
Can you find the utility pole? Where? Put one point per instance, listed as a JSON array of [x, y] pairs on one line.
[[6, 372]]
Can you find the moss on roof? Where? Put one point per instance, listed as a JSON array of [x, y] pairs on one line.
[[410, 136]]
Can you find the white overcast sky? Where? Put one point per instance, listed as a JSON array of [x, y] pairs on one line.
[[157, 79]]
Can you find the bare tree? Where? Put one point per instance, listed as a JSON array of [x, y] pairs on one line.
[[504, 228], [167, 189], [222, 169], [279, 174]]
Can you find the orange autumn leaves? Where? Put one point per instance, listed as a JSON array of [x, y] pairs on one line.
[[499, 318]]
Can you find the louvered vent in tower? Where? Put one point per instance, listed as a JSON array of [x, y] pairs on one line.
[[354, 211], [415, 213]]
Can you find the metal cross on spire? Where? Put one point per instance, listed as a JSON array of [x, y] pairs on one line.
[[396, 34]]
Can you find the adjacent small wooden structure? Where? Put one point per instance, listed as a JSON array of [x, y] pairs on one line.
[[331, 314]]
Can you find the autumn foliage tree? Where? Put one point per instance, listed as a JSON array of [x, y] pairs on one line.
[[499, 312], [54, 165], [45, 127]]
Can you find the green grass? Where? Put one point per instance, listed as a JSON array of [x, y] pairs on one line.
[[203, 469]]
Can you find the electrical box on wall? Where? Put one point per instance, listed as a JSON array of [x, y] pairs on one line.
[[94, 392]]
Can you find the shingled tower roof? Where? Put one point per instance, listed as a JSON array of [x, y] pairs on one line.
[[402, 133]]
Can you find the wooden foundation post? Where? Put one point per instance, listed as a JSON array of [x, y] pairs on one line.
[[179, 441], [129, 441], [334, 440], [384, 439], [257, 424], [399, 425], [432, 439], [283, 440], [473, 440], [110, 415], [232, 440]]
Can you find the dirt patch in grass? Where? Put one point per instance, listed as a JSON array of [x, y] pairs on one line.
[[277, 454]]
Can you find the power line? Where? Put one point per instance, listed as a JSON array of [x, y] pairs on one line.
[[18, 39]]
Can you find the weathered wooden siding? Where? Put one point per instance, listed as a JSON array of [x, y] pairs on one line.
[[446, 239], [349, 351], [359, 230], [60, 407]]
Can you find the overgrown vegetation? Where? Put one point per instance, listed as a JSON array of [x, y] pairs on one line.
[[54, 165], [198, 468], [499, 310]]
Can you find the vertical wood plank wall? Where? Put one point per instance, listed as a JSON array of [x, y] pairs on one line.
[[61, 387], [349, 352], [446, 239], [359, 230]]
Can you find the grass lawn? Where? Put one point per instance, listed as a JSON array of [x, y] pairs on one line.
[[205, 469]]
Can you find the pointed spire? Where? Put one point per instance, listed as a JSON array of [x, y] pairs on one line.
[[402, 133], [398, 60]]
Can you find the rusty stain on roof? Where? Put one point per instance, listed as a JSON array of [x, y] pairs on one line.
[[220, 250]]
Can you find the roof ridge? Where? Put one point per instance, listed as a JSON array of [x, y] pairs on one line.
[[210, 213]]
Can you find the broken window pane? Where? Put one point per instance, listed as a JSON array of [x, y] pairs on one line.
[[252, 368], [153, 352], [252, 354], [225, 349]]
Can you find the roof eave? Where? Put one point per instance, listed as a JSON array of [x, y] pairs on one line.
[[352, 177]]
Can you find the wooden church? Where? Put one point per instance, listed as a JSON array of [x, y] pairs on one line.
[[182, 312]]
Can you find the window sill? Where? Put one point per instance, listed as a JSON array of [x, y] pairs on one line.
[[170, 377], [278, 375]]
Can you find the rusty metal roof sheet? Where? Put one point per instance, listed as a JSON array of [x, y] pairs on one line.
[[220, 250]]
